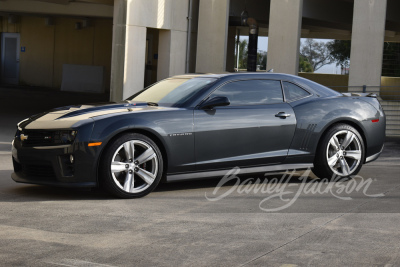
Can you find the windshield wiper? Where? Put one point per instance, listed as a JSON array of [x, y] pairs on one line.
[[153, 104]]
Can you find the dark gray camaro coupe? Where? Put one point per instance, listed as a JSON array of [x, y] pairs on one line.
[[196, 126]]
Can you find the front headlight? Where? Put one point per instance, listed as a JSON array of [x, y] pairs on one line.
[[65, 137]]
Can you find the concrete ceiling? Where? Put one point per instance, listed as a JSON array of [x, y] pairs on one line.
[[66, 2], [325, 19]]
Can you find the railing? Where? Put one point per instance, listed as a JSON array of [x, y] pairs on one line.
[[389, 98]]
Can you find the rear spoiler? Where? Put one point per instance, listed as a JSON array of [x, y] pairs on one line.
[[361, 94]]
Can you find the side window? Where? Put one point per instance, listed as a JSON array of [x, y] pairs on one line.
[[251, 92], [293, 92]]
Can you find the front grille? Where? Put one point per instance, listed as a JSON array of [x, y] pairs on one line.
[[31, 138], [40, 138]]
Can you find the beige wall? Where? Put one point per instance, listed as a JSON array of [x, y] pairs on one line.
[[49, 47], [329, 80], [333, 80], [393, 92]]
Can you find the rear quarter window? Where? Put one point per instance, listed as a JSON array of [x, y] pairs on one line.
[[294, 92]]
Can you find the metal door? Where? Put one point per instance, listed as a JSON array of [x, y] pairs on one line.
[[10, 43]]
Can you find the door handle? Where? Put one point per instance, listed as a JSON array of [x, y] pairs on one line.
[[282, 115]]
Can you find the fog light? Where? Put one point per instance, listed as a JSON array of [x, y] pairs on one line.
[[71, 159]]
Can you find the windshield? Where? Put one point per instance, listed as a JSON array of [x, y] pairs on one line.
[[171, 92]]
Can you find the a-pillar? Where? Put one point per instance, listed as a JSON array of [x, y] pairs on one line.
[[212, 36], [284, 36], [367, 44]]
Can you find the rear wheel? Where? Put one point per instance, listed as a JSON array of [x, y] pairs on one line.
[[131, 166], [340, 154]]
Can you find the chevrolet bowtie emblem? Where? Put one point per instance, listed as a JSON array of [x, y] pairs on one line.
[[23, 137]]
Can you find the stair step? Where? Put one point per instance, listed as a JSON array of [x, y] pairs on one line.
[[390, 112], [393, 127], [392, 132]]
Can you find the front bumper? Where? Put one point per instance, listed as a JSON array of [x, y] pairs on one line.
[[51, 165]]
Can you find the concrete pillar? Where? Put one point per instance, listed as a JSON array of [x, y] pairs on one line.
[[128, 55], [212, 36], [118, 50], [131, 20], [171, 53], [135, 60], [367, 44], [284, 36]]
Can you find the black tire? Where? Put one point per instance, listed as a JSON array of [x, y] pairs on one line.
[[114, 182], [327, 150]]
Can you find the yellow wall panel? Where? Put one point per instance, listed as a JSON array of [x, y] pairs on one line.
[[102, 47], [49, 47], [72, 46], [36, 63]]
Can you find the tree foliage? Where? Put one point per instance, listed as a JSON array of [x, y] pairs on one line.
[[243, 54], [304, 65], [262, 59], [316, 53], [340, 52]]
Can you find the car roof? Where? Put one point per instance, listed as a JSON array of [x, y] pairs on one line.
[[235, 74], [309, 85]]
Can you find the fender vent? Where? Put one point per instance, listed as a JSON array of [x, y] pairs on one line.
[[307, 136]]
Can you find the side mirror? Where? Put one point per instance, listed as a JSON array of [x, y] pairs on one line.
[[217, 101]]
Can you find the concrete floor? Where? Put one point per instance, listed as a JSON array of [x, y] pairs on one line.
[[177, 226]]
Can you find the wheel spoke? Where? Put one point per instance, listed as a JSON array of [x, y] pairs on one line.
[[332, 160], [129, 182], [348, 139], [129, 148], [146, 176], [335, 143], [344, 166], [353, 154], [146, 156], [117, 167]]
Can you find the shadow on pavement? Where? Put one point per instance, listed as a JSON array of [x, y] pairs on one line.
[[29, 193]]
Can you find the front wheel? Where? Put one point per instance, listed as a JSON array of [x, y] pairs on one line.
[[131, 166], [340, 154]]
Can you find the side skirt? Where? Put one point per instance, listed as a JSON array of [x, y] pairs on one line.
[[221, 173]]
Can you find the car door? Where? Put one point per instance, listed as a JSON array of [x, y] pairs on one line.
[[255, 129]]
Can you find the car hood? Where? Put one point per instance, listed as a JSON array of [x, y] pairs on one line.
[[70, 116]]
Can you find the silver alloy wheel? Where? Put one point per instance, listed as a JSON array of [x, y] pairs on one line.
[[134, 166], [344, 153]]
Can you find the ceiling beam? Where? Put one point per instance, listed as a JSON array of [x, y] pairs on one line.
[[101, 2], [61, 2]]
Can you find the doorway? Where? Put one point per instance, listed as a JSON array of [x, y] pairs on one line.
[[10, 43]]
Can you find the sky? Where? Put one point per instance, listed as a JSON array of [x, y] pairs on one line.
[[329, 69]]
